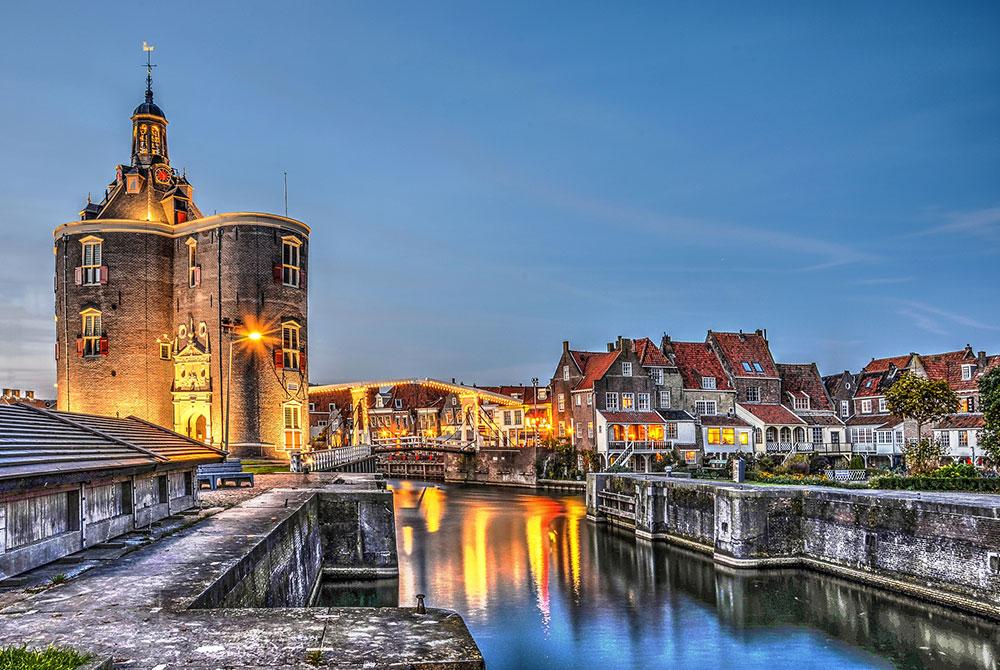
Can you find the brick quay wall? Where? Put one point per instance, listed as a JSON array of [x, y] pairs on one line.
[[937, 546]]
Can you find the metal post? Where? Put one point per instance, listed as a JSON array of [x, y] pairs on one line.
[[225, 419]]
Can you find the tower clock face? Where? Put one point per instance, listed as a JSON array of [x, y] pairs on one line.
[[161, 175]]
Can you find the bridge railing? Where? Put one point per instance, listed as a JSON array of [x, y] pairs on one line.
[[327, 459]]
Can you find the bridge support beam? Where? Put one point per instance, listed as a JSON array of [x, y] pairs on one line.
[[360, 432], [470, 417]]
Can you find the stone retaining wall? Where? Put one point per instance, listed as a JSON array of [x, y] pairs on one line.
[[943, 547]]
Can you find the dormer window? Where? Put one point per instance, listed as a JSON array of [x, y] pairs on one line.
[[398, 403], [132, 183], [746, 367], [379, 401], [800, 402], [758, 368], [626, 369], [967, 372], [708, 383]]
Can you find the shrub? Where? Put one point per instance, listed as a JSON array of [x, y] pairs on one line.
[[857, 463], [797, 464], [956, 471], [811, 480], [818, 464], [765, 463], [923, 456]]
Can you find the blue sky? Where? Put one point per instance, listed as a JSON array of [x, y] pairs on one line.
[[485, 180]]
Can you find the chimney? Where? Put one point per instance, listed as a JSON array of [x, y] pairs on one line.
[[666, 346], [611, 347], [982, 361], [565, 346]]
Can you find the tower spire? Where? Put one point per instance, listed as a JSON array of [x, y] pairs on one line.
[[148, 48]]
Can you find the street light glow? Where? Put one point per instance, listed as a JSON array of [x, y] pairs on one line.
[[254, 335]]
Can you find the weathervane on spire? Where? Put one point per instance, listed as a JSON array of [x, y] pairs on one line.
[[148, 48]]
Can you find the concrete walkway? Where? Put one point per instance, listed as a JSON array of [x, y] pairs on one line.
[[136, 609]]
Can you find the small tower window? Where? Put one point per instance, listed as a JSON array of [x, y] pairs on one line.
[[165, 351], [143, 130], [194, 270], [132, 183], [90, 267], [290, 345], [155, 139], [292, 425], [91, 343], [291, 270]]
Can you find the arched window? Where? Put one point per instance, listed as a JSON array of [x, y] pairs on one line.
[[290, 345], [800, 434], [772, 434], [786, 434], [155, 141], [91, 341]]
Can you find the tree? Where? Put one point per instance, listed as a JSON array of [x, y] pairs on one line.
[[921, 399], [989, 400], [923, 456]]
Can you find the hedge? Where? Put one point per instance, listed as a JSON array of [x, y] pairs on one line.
[[981, 485]]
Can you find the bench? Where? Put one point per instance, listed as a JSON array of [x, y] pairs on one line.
[[217, 474]]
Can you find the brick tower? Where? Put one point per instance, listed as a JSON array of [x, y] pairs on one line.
[[152, 297]]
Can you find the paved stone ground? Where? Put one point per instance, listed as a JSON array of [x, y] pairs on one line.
[[231, 495], [135, 609]]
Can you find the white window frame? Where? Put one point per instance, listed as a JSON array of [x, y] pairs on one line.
[[800, 403], [708, 383], [967, 371], [291, 261], [579, 399], [611, 401], [665, 399], [657, 375], [883, 405], [753, 394], [845, 408], [642, 402], [291, 417], [626, 369], [565, 373], [90, 268], [590, 400], [866, 406], [701, 407], [628, 402], [561, 402]]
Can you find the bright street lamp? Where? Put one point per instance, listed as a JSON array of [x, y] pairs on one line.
[[251, 336]]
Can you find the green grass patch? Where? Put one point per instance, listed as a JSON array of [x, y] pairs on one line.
[[264, 467], [50, 658]]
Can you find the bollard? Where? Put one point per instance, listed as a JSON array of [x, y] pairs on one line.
[[739, 470], [420, 604]]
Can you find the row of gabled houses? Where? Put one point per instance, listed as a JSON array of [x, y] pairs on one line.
[[860, 399], [703, 400]]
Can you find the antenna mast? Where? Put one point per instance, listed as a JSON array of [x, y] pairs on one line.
[[286, 192]]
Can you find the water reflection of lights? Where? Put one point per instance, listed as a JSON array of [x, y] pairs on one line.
[[432, 508], [474, 558], [408, 540]]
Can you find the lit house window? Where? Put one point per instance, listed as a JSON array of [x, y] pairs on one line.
[[194, 270], [626, 369], [708, 382], [291, 254], [293, 425], [705, 407], [628, 401], [91, 271], [725, 436], [963, 438], [91, 343], [165, 351], [590, 429], [579, 399], [290, 345], [753, 394]]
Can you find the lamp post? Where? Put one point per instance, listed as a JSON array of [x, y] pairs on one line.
[[252, 336]]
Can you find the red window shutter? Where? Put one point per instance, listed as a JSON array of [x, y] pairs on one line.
[[78, 276], [277, 273], [104, 346], [279, 358], [182, 216], [104, 274], [197, 276], [302, 360], [79, 347]]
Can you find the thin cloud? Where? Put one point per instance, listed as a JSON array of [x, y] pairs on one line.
[[923, 322], [922, 311], [980, 222]]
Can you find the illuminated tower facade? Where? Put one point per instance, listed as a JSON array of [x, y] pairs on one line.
[[152, 296]]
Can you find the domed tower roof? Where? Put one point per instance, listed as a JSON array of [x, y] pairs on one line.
[[149, 108]]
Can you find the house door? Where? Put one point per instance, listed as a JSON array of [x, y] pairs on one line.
[[198, 427]]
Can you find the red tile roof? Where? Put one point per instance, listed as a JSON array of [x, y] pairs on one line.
[[526, 394], [650, 354], [822, 420], [738, 348], [696, 360], [874, 420], [884, 364], [594, 365], [871, 384], [804, 378], [777, 414], [632, 417], [948, 366], [963, 421]]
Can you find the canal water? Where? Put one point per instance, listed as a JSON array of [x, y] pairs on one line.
[[541, 587]]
